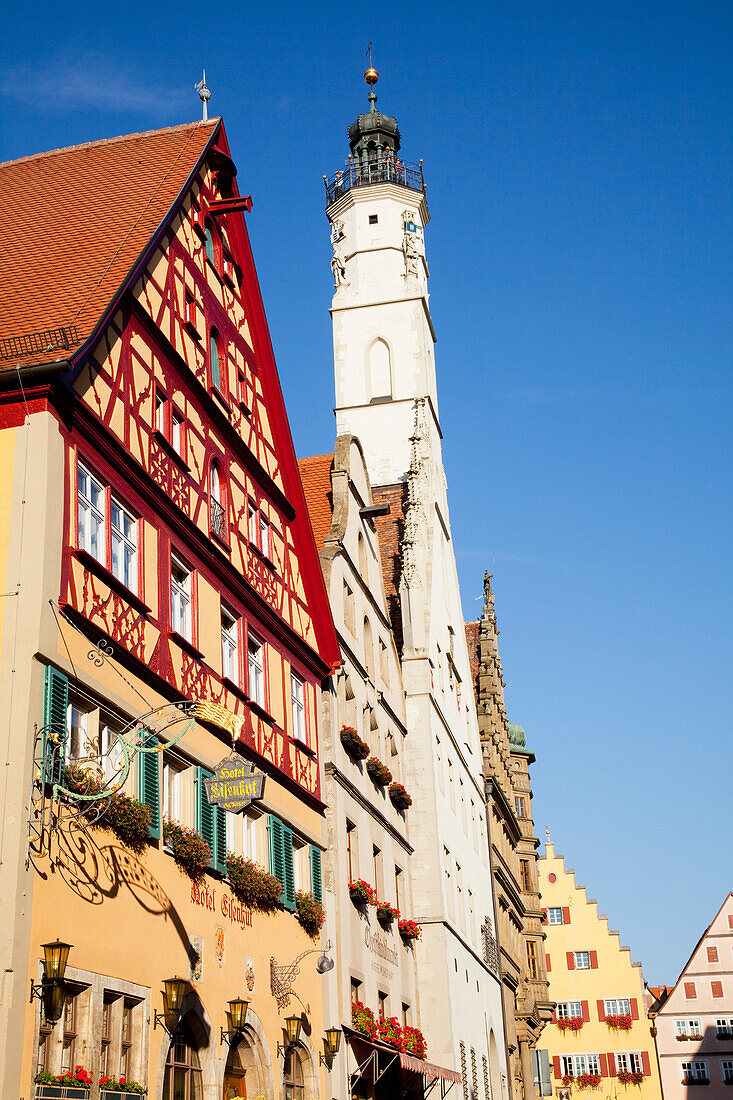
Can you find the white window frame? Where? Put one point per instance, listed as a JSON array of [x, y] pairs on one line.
[[581, 965], [569, 1010], [697, 1068], [177, 423], [723, 1027], [256, 670], [230, 646], [297, 707], [552, 912], [726, 1069], [628, 1061], [77, 744], [252, 522], [181, 599], [576, 1064], [172, 772], [91, 518], [688, 1027], [124, 539], [615, 1006], [264, 536]]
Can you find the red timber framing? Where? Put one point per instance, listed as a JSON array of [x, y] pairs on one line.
[[175, 390]]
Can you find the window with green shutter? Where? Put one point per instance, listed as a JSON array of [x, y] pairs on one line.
[[316, 888], [148, 784], [55, 704], [281, 859], [211, 822]]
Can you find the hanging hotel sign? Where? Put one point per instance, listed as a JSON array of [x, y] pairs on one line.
[[234, 784]]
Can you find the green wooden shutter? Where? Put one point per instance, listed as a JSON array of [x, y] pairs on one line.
[[316, 888], [289, 884], [205, 813], [55, 704], [220, 854], [281, 859], [148, 784]]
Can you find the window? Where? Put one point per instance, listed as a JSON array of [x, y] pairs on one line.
[[256, 671], [44, 1045], [712, 954], [383, 662], [182, 1080], [382, 1004], [726, 1071], [696, 1070], [398, 887], [620, 1006], [252, 522], [190, 310], [293, 1076], [68, 1042], [405, 1015], [229, 646], [160, 411], [519, 807], [126, 1041], [264, 536], [723, 1029], [172, 771], [217, 514], [298, 707], [349, 610], [258, 529], [532, 959], [629, 1061], [373, 219], [215, 359], [351, 849], [582, 960], [716, 988], [524, 874], [575, 1064], [690, 991], [177, 436], [569, 1010], [554, 915], [688, 1029], [377, 869], [211, 244], [77, 732], [109, 755], [106, 529], [355, 990], [242, 394], [180, 598]]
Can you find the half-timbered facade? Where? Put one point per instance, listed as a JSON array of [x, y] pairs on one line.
[[157, 553]]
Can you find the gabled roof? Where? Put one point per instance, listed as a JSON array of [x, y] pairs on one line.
[[673, 989], [74, 221], [315, 474]]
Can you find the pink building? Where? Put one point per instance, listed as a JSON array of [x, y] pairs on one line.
[[694, 1020]]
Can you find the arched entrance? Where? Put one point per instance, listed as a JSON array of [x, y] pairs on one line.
[[247, 1070], [235, 1080]]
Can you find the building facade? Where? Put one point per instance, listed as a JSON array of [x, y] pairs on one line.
[[386, 395], [520, 932], [601, 1036], [167, 611], [368, 813], [694, 1021]]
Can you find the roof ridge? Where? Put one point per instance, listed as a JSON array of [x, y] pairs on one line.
[[198, 124]]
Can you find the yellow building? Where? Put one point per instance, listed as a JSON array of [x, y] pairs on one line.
[[599, 1043]]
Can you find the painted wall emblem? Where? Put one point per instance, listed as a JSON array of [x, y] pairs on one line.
[[219, 943], [249, 973]]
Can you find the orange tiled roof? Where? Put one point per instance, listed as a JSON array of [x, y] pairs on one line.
[[315, 473], [74, 221]]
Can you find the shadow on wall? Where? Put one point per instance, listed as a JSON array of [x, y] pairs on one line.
[[98, 874]]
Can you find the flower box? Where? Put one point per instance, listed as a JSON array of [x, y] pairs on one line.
[[414, 1041], [574, 1023], [353, 744], [379, 772], [400, 797], [583, 1080], [310, 913], [190, 850], [695, 1080], [623, 1023], [626, 1077], [362, 1020], [390, 1032], [362, 893], [409, 930], [61, 1092], [386, 913], [251, 884]]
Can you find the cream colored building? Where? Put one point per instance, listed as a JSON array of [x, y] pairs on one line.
[[600, 1043]]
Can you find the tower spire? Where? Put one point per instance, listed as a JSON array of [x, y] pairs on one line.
[[204, 96], [371, 76]]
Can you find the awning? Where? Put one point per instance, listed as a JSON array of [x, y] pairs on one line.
[[429, 1069], [381, 1058]]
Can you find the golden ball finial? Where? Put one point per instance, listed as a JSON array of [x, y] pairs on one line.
[[371, 75]]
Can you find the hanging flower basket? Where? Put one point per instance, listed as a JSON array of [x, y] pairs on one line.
[[386, 913], [310, 913], [362, 1020], [626, 1077], [353, 744], [414, 1041], [588, 1080], [574, 1023], [409, 930], [399, 796], [379, 772], [623, 1023], [190, 850], [362, 893], [251, 884]]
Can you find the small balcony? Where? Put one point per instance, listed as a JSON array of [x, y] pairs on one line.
[[373, 172]]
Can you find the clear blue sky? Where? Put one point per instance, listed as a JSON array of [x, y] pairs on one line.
[[578, 161]]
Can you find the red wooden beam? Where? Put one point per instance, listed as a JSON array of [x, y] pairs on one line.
[[230, 206]]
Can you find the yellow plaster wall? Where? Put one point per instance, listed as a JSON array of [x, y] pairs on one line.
[[616, 976]]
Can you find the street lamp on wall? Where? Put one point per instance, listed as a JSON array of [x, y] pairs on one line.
[[293, 1025], [52, 989], [331, 1044], [237, 1017], [174, 992]]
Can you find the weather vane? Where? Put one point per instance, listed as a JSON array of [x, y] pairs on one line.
[[204, 95]]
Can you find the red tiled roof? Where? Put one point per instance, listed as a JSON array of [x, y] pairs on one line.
[[472, 632], [315, 473], [74, 221], [390, 529]]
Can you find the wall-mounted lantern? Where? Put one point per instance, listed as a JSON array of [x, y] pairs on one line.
[[237, 1017], [174, 992], [293, 1025], [52, 988], [331, 1044]]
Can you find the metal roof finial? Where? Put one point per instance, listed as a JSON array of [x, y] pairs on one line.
[[204, 95]]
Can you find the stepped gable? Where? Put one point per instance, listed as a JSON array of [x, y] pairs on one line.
[[75, 221], [315, 474]]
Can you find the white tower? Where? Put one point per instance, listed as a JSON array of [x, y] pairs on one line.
[[382, 333], [386, 396]]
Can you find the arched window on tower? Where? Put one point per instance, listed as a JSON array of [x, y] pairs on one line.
[[380, 371], [368, 648]]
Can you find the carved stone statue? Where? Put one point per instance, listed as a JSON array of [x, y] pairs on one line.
[[338, 269], [412, 256]]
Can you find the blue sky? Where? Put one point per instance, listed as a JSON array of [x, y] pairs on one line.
[[578, 162]]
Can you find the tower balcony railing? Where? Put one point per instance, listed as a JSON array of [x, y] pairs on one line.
[[366, 175]]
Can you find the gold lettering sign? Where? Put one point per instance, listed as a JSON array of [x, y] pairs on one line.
[[235, 783]]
